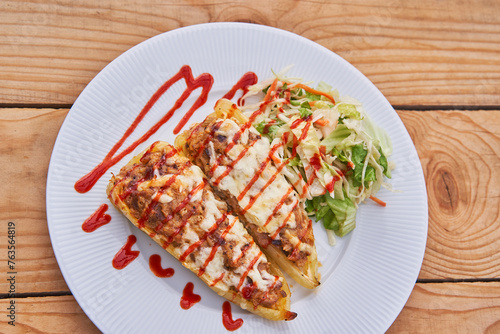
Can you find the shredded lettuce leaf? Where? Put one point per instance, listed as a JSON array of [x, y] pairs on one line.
[[336, 156]]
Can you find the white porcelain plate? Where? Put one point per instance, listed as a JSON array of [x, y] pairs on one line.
[[365, 279]]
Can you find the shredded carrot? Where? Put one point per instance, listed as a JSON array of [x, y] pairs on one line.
[[276, 160], [270, 90], [322, 149], [268, 96], [314, 91], [378, 201], [322, 122]]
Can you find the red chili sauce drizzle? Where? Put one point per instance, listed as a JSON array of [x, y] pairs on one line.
[[227, 318], [248, 290], [245, 274], [315, 161], [97, 219], [125, 255], [215, 247], [278, 206], [259, 172], [205, 81], [233, 163], [194, 246], [189, 298], [157, 269], [263, 166], [246, 81]]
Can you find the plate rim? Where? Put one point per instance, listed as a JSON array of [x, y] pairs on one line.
[[137, 48]]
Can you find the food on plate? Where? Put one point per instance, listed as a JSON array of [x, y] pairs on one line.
[[335, 156], [169, 199], [240, 164]]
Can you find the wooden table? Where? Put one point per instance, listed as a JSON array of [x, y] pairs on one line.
[[437, 62]]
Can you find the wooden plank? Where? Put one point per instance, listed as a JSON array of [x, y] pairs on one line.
[[425, 53], [28, 136], [459, 152], [464, 237], [431, 308], [46, 315], [451, 308]]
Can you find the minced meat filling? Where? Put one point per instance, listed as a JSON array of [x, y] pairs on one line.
[[303, 229], [159, 216]]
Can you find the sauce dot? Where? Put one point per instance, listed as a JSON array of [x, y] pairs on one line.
[[97, 219], [227, 318], [189, 298], [157, 269], [125, 255]]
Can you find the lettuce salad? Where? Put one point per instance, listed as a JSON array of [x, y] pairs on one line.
[[324, 144]]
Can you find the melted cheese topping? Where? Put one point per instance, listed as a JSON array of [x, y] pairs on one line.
[[189, 179], [261, 212]]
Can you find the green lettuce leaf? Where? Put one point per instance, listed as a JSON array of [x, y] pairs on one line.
[[340, 133], [349, 110], [383, 162], [345, 214]]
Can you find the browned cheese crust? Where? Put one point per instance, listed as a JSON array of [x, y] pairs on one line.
[[204, 143], [168, 198]]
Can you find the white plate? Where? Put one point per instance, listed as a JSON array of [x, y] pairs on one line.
[[366, 278]]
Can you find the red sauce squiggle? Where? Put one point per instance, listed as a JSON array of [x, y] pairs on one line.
[[148, 151], [244, 249], [278, 206], [218, 279], [331, 185], [268, 183], [195, 245], [250, 266], [294, 146], [296, 247], [125, 255], [205, 81], [151, 206], [215, 247], [97, 219], [276, 279], [179, 207], [315, 161], [189, 298], [120, 181], [157, 269], [284, 222], [148, 175], [296, 123], [306, 186], [245, 81], [158, 195], [243, 128], [227, 318], [305, 130], [233, 163], [260, 171], [248, 290], [207, 140]]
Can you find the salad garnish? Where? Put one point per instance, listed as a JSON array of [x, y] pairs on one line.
[[328, 148]]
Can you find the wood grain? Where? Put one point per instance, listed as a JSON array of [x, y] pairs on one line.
[[431, 308], [428, 52], [46, 315], [460, 156], [28, 136], [459, 308], [459, 152]]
